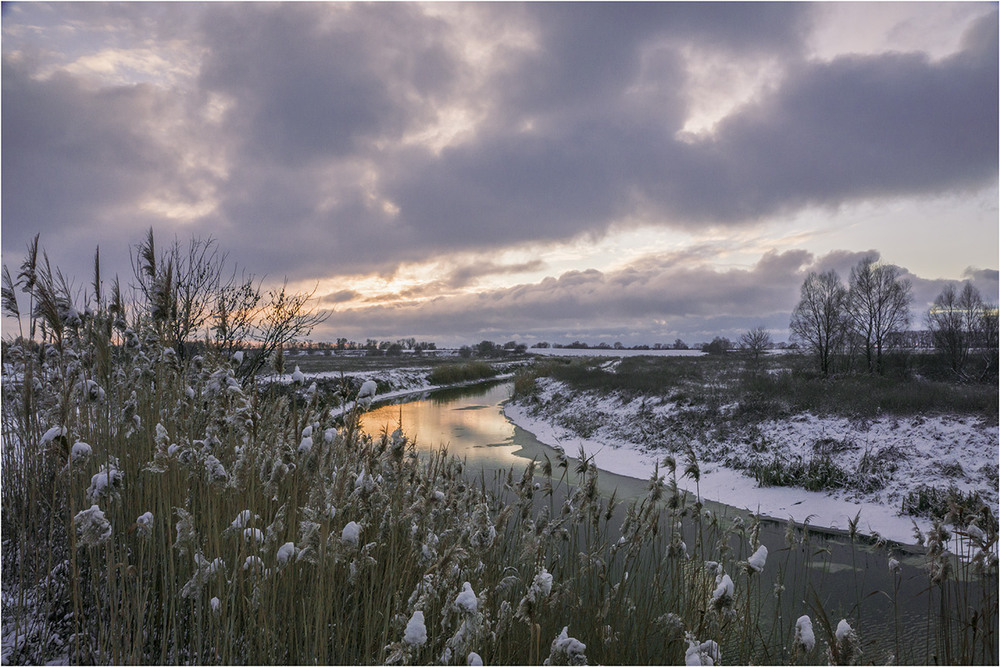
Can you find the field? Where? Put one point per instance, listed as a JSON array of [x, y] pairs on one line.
[[156, 510]]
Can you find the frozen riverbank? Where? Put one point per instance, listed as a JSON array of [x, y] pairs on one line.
[[897, 455]]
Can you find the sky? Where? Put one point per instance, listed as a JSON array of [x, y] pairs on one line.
[[457, 172]]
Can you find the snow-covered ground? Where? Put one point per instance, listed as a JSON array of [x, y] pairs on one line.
[[902, 452]]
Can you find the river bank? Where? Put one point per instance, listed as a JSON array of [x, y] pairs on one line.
[[901, 454]]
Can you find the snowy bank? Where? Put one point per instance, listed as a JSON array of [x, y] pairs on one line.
[[906, 452]]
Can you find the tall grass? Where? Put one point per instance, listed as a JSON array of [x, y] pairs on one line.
[[156, 510]]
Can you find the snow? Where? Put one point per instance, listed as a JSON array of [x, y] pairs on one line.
[[144, 523], [242, 519], [253, 535], [725, 588], [844, 630], [306, 445], [923, 449], [804, 635], [368, 389], [105, 482], [701, 653], [466, 600], [215, 604], [351, 533], [52, 434], [92, 526], [474, 660], [757, 560], [298, 377], [416, 632], [81, 452], [285, 552], [570, 651]]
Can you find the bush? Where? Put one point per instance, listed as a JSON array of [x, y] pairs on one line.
[[461, 372]]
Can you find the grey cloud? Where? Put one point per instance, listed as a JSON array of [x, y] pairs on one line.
[[463, 275], [339, 296], [632, 298], [322, 95]]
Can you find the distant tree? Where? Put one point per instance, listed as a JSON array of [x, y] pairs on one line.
[[961, 323], [465, 351], [755, 342], [879, 307], [820, 320], [488, 348], [542, 345], [719, 345], [618, 345], [680, 345]]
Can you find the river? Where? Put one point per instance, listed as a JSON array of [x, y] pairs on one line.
[[470, 423]]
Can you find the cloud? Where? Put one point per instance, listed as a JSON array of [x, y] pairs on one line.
[[319, 139], [339, 297]]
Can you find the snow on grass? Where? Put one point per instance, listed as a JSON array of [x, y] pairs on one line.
[[416, 632], [905, 452], [351, 533], [758, 559], [804, 635]]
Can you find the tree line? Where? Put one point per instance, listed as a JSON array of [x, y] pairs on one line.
[[867, 317]]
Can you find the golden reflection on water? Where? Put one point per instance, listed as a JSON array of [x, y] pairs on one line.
[[471, 427]]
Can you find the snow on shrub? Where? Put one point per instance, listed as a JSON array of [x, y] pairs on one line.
[[566, 650], [474, 660], [805, 638], [242, 519], [144, 523], [92, 528], [701, 653], [846, 650], [106, 482], [255, 535], [298, 377], [81, 452], [214, 471], [722, 596], [466, 600], [285, 552], [540, 588], [351, 533], [416, 632], [305, 446], [757, 560], [52, 434]]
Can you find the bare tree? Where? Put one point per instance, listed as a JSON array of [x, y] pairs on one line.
[[187, 295], [755, 342], [961, 324], [820, 318], [952, 321], [879, 307]]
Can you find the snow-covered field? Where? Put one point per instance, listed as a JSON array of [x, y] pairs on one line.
[[902, 453]]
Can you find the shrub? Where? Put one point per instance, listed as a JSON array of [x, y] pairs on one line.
[[461, 372]]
